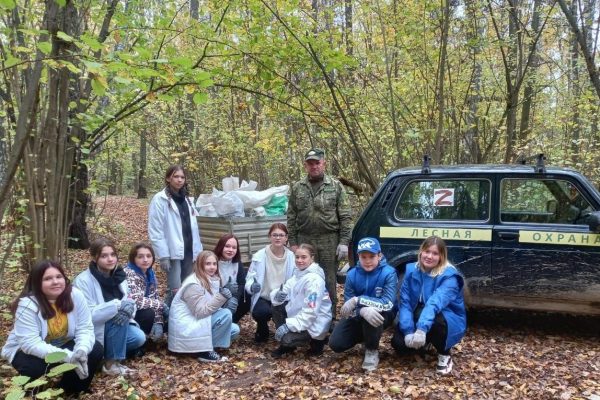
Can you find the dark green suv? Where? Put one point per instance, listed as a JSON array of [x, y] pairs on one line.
[[523, 236]]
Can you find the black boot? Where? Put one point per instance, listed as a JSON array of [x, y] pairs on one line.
[[281, 351], [262, 332], [316, 347]]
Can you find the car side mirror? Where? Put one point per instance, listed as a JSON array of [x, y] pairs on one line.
[[594, 221]]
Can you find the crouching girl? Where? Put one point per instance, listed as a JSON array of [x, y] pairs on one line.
[[51, 316], [199, 319], [104, 286], [143, 289], [432, 308], [306, 317]]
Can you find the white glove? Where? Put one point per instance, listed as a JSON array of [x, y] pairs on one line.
[[80, 360], [408, 340], [372, 316], [342, 252], [348, 308], [418, 340]]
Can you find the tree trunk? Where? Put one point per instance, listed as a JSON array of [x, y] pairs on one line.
[[575, 92], [142, 192], [471, 151], [79, 200], [512, 75], [441, 75], [528, 92], [583, 46]]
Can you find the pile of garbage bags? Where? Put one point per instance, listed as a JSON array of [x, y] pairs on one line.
[[243, 200]]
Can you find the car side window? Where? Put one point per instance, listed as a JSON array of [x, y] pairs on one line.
[[459, 199], [546, 201]]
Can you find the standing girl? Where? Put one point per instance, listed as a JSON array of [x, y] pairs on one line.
[[432, 308], [51, 316], [197, 321], [306, 317], [104, 286], [173, 229], [143, 289], [270, 268], [233, 275]]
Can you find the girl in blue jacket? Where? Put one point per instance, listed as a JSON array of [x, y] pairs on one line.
[[432, 308]]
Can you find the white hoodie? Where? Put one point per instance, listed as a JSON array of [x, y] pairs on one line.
[[309, 305]]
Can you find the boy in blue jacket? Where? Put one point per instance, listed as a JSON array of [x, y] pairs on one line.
[[369, 296]]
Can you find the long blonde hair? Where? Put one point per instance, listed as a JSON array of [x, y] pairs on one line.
[[201, 273], [442, 249]]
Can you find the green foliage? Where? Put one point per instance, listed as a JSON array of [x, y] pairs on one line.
[[61, 369], [55, 357]]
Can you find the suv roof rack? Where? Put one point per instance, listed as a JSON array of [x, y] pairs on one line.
[[540, 166], [426, 169]]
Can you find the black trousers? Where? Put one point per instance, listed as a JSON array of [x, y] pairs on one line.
[[437, 335], [244, 303], [145, 317], [34, 367], [262, 313], [350, 331], [290, 339]]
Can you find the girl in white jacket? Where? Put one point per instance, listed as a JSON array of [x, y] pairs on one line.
[[270, 268], [307, 314], [104, 285], [52, 316], [199, 318], [173, 229]]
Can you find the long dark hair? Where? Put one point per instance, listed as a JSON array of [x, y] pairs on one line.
[[33, 288], [237, 258], [98, 244], [184, 190]]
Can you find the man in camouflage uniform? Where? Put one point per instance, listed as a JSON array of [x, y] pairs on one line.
[[319, 214]]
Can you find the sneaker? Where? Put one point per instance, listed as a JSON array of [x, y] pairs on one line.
[[281, 351], [316, 347], [371, 360], [211, 356], [444, 365], [117, 369]]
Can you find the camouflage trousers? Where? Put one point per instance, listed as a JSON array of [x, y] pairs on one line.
[[325, 246]]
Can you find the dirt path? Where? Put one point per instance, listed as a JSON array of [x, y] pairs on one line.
[[504, 355]]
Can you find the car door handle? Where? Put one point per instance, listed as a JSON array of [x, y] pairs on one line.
[[508, 236]]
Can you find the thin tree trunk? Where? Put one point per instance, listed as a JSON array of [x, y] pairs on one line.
[[528, 92], [437, 150], [583, 46], [142, 192]]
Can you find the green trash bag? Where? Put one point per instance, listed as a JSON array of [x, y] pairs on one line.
[[277, 205]]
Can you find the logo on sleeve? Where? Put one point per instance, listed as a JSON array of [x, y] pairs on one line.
[[311, 300]]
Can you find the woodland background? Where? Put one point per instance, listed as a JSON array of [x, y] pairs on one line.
[[100, 96]]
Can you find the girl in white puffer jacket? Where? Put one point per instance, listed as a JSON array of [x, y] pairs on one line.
[[302, 307]]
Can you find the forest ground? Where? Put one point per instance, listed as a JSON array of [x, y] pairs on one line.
[[505, 354]]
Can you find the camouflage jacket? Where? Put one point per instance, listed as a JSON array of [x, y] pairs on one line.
[[326, 211]]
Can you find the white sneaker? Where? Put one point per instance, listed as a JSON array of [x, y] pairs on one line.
[[117, 369], [371, 360], [444, 365]]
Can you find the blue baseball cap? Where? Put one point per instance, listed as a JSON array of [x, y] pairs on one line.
[[369, 244]]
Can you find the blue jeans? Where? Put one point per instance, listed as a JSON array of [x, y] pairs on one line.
[[119, 340], [223, 330]]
